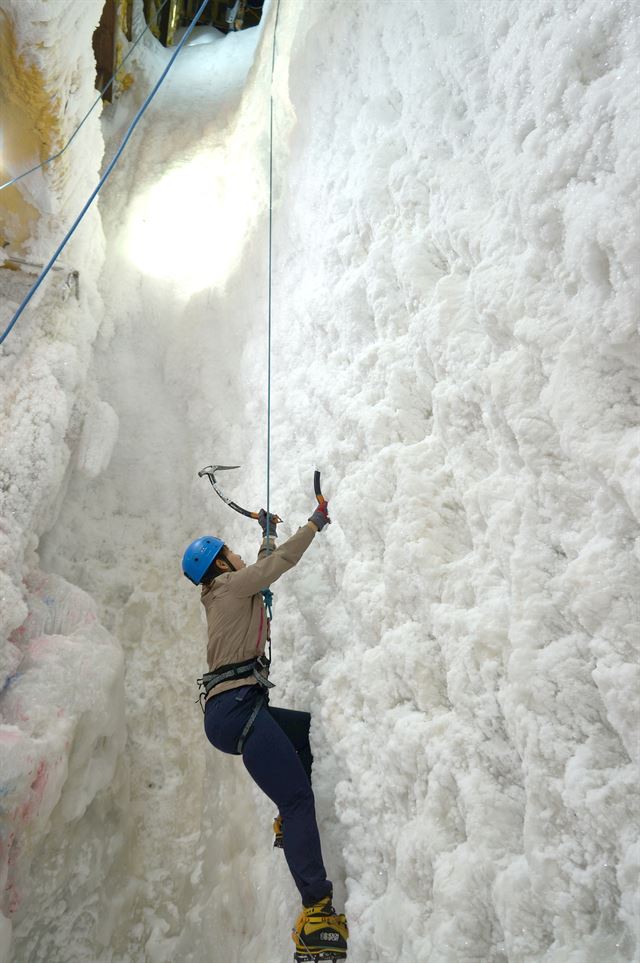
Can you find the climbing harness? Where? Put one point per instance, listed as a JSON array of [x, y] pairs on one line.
[[248, 726], [235, 670], [49, 160], [240, 670], [110, 166]]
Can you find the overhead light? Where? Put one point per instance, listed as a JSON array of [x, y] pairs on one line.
[[191, 226]]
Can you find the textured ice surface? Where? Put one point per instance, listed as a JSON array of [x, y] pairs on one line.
[[63, 782], [455, 302]]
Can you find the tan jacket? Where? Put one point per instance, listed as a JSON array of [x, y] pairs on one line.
[[236, 617]]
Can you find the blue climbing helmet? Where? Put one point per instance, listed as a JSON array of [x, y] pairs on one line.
[[199, 556]]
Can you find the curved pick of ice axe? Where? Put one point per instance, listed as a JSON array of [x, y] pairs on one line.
[[316, 485], [210, 473]]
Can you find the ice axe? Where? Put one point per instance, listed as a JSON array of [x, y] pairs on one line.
[[210, 473], [322, 501]]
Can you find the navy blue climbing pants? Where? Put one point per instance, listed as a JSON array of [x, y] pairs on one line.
[[277, 755]]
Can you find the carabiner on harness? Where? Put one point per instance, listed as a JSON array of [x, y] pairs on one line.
[[267, 595]]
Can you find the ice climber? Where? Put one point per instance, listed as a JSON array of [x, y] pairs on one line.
[[273, 743]]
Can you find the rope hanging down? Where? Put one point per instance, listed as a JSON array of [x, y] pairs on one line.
[[110, 167], [273, 63], [49, 160]]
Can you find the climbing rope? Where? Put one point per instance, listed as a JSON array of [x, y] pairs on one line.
[[104, 177], [49, 160], [270, 285]]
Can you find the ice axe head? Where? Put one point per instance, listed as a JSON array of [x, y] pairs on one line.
[[212, 469], [210, 473]]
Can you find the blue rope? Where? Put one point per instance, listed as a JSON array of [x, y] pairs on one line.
[[14, 180], [273, 62], [267, 595], [112, 164]]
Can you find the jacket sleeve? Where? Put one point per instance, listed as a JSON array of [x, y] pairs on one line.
[[266, 547], [252, 579]]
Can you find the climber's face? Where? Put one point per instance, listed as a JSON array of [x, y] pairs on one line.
[[236, 560]]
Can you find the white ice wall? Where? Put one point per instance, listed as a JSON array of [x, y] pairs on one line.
[[456, 274], [455, 278], [61, 703]]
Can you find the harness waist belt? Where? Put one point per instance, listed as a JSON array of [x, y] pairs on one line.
[[236, 670]]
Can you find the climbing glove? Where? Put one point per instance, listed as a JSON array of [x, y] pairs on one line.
[[320, 517], [262, 520]]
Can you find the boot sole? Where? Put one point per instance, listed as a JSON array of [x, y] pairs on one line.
[[324, 956]]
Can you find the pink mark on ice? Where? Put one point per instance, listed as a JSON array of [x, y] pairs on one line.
[[13, 855], [36, 582], [5, 848], [20, 712], [40, 644], [13, 898], [39, 783], [9, 854], [15, 714], [32, 804]]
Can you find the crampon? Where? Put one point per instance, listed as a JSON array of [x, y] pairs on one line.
[[278, 838], [320, 934], [324, 956]]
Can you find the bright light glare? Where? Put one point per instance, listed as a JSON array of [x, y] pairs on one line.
[[191, 226]]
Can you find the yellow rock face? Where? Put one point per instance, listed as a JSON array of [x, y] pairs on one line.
[[30, 132]]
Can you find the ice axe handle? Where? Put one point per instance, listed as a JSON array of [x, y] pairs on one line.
[[210, 471], [316, 485]]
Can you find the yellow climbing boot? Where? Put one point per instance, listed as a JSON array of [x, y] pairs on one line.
[[320, 934]]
